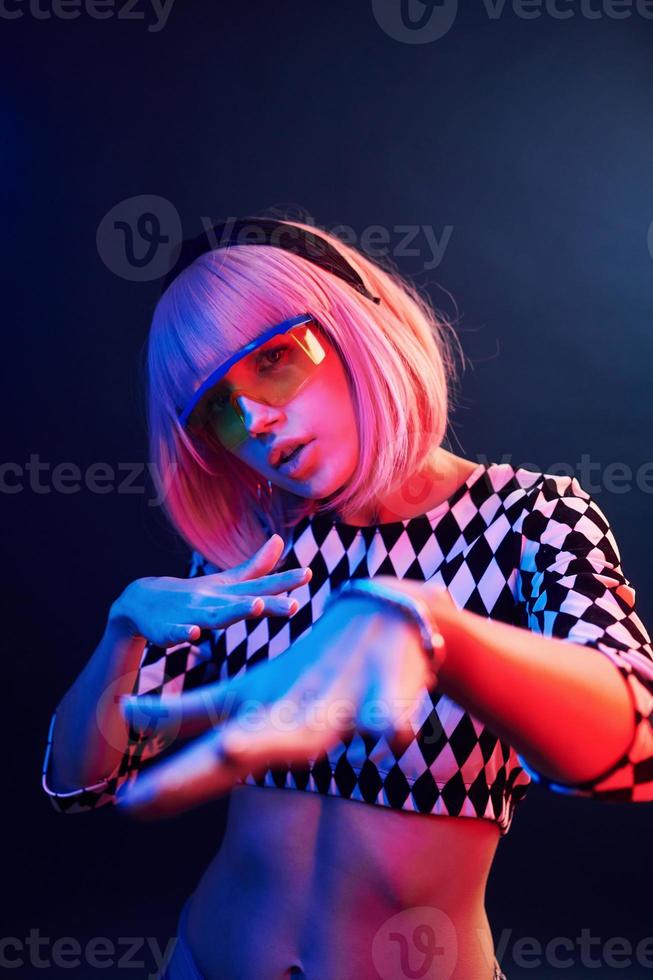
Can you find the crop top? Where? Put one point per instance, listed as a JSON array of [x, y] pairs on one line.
[[527, 548]]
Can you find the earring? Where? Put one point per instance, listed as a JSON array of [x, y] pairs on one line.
[[258, 490]]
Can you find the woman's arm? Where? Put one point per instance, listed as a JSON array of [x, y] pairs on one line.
[[567, 710], [551, 689], [91, 734]]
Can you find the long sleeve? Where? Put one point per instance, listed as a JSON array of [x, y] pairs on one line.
[[571, 585], [161, 671]]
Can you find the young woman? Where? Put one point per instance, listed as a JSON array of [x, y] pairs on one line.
[[374, 751]]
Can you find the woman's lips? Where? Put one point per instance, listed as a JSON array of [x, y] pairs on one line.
[[296, 463]]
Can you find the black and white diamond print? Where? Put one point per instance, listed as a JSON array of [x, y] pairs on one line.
[[526, 548]]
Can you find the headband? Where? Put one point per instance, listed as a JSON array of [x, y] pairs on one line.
[[268, 231]]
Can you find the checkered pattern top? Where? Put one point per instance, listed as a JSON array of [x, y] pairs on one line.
[[526, 548]]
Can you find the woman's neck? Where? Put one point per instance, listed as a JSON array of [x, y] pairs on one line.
[[422, 492]]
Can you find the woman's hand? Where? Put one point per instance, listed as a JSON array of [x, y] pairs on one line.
[[167, 610], [360, 666]]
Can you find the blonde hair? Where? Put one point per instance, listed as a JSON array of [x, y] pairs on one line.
[[397, 356]]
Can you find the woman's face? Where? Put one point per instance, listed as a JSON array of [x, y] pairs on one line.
[[320, 414]]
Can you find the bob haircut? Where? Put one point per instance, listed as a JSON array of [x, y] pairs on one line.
[[396, 355]]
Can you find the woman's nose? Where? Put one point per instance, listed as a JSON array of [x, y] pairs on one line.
[[257, 416]]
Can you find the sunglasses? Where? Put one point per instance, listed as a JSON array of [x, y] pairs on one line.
[[270, 369]]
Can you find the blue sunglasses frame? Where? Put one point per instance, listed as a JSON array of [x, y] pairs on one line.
[[215, 376]]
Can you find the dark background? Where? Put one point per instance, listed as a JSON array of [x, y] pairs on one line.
[[530, 138]]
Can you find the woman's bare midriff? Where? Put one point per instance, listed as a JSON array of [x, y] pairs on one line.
[[343, 889]]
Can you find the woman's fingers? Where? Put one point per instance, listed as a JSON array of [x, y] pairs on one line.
[[263, 559], [259, 564], [280, 581], [181, 715], [293, 578], [179, 633], [274, 711], [271, 745], [307, 719], [192, 776], [213, 616], [190, 712]]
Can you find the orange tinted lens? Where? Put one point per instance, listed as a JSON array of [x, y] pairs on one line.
[[271, 374]]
